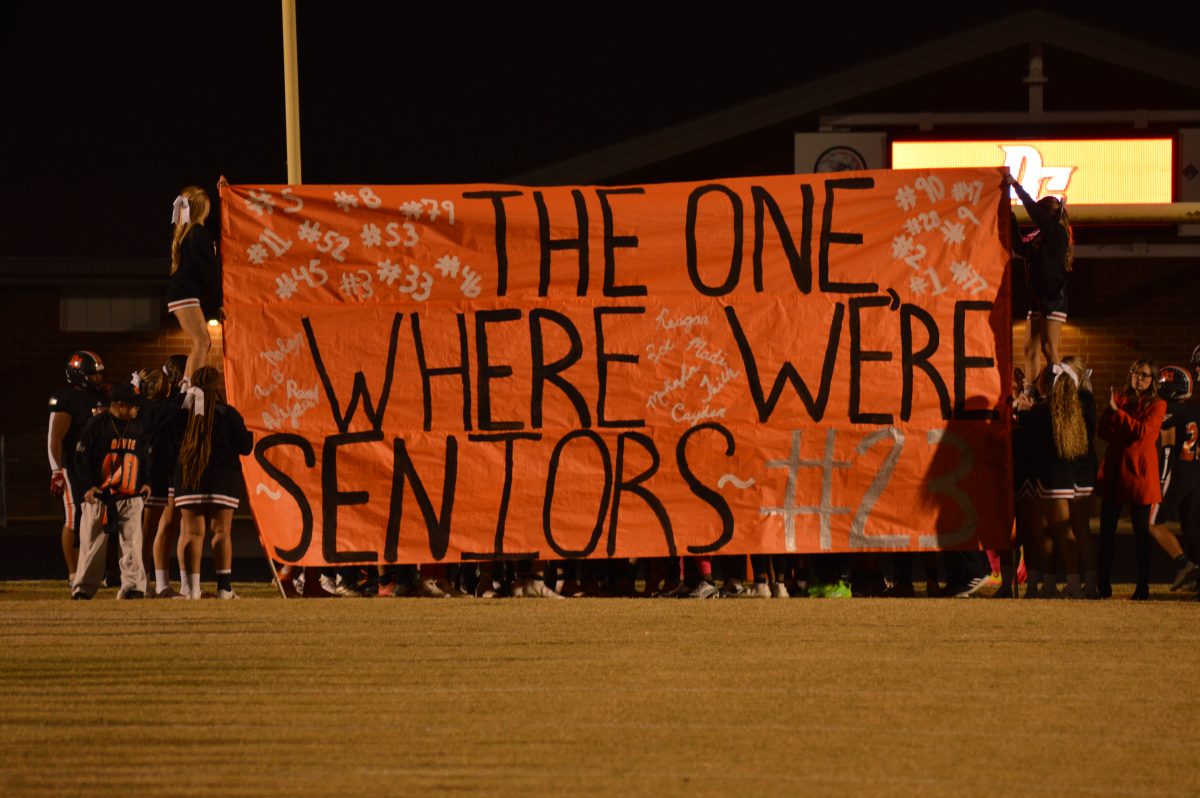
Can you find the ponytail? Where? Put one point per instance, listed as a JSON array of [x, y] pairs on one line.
[[1066, 416], [198, 204], [197, 438]]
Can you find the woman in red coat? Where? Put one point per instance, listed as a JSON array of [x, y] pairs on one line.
[[1129, 473]]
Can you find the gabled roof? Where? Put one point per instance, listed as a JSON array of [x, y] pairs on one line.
[[1013, 31]]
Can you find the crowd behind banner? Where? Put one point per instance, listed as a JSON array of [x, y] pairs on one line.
[[115, 457], [165, 453]]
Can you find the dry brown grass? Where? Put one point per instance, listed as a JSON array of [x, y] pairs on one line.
[[391, 697]]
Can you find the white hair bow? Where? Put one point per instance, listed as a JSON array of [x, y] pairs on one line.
[[1059, 369], [136, 379], [193, 400], [181, 211]]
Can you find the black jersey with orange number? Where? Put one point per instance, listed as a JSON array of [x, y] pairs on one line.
[[111, 455], [81, 406], [1183, 464]]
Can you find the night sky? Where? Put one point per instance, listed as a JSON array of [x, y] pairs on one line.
[[110, 108]]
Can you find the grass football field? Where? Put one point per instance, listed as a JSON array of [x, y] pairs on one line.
[[265, 697]]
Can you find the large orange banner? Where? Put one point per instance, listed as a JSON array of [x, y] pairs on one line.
[[800, 363]]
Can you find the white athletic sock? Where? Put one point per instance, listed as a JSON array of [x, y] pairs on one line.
[[162, 580], [194, 584]]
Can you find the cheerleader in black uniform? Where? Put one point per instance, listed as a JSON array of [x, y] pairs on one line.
[[151, 390], [1085, 479], [208, 477], [1048, 253], [194, 289], [162, 521], [1058, 430]]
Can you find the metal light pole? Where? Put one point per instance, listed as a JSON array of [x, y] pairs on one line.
[[291, 92]]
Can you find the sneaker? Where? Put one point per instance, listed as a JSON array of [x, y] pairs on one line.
[[677, 590], [386, 589], [779, 590], [572, 589], [132, 594], [754, 590], [1185, 576], [79, 595], [344, 587], [450, 589], [839, 590], [428, 588], [227, 595], [818, 590], [897, 590], [969, 589], [166, 593], [704, 590], [537, 588], [312, 588], [732, 589], [329, 584]]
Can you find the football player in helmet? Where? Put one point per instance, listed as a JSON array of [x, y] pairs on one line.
[[1180, 471], [71, 407]]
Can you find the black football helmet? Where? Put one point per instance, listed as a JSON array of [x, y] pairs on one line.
[[81, 366], [1174, 383]]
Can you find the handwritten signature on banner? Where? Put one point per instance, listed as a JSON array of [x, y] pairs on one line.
[[711, 366], [297, 399]]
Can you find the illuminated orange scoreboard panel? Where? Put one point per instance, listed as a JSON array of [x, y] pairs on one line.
[[1087, 171]]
